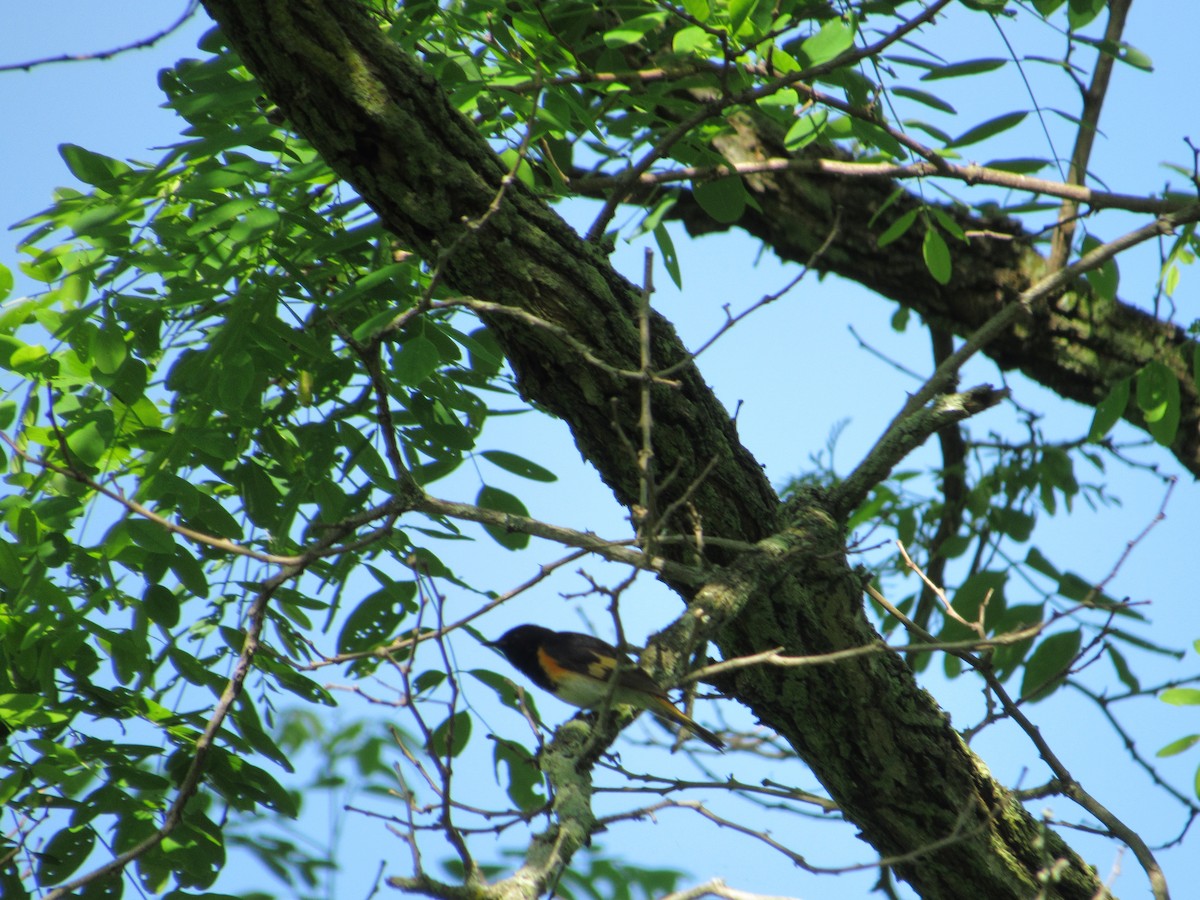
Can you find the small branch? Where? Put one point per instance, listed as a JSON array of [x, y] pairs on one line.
[[141, 44], [905, 435], [412, 640], [880, 459], [645, 517], [470, 227], [1085, 137], [610, 550], [524, 316], [970, 174], [767, 299], [953, 489], [939, 592], [775, 657], [718, 888]]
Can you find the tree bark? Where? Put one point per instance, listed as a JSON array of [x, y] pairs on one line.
[[878, 743]]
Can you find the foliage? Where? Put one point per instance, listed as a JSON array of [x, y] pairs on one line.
[[230, 405]]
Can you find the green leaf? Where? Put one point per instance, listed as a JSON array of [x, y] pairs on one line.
[[948, 223], [1180, 745], [161, 605], [1109, 410], [502, 501], [377, 618], [699, 10], [1021, 165], [937, 256], [1181, 696], [504, 689], [805, 130], [417, 360], [692, 39], [739, 12], [970, 67], [6, 281], [108, 349], [898, 228], [1015, 523], [872, 135], [11, 570], [666, 249], [1122, 668], [1158, 398], [1047, 667], [633, 30], [1121, 52], [524, 777], [189, 572], [518, 465], [990, 128], [1072, 587], [150, 535], [1081, 12], [91, 168], [450, 738], [1046, 7], [724, 198], [989, 6], [926, 99], [1105, 278], [90, 437], [64, 854], [834, 38]]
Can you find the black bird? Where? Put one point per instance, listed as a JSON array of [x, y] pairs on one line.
[[578, 668]]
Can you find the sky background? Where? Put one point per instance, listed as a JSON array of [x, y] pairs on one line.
[[802, 347]]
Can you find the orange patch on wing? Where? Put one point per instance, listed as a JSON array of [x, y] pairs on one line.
[[550, 666]]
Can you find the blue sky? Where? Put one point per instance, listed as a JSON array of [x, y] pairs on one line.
[[113, 107]]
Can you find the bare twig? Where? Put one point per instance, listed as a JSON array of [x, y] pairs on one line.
[[776, 657], [140, 44], [1085, 137], [612, 550]]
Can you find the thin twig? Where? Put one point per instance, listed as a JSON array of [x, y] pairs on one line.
[[140, 44], [1085, 137], [970, 174]]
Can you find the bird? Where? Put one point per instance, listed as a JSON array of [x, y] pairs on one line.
[[578, 669]]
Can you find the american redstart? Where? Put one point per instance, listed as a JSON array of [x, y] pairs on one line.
[[578, 669]]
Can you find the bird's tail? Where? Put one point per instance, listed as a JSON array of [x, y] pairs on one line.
[[667, 710]]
